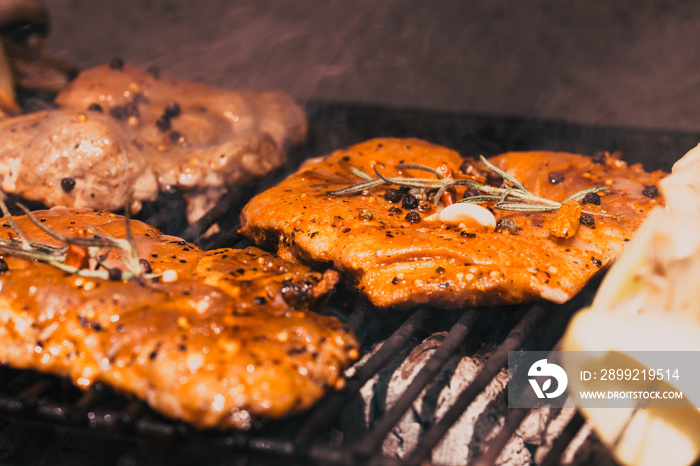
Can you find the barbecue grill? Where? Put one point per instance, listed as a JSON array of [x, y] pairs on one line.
[[44, 418]]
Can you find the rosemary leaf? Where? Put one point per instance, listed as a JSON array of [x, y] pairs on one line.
[[525, 207], [514, 198], [31, 254], [410, 182], [441, 191], [505, 175], [478, 186], [45, 248], [356, 188], [581, 194], [416, 182], [13, 225], [479, 199], [98, 247], [360, 174], [84, 242], [417, 166], [133, 263]]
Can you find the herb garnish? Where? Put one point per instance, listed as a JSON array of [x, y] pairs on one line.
[[97, 247], [513, 197]]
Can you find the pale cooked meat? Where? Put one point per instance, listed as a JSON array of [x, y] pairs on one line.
[[68, 158], [399, 263], [228, 341], [124, 128]]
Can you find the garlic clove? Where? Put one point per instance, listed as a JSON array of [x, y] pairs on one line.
[[471, 215]]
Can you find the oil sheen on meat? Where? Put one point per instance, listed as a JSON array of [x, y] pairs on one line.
[[122, 129], [228, 341], [397, 263]]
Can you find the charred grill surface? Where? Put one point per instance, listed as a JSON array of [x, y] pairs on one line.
[[47, 411]]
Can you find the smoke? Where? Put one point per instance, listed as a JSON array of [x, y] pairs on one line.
[[609, 63]]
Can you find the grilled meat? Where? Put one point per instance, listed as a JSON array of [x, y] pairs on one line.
[[384, 242], [119, 129], [229, 340]]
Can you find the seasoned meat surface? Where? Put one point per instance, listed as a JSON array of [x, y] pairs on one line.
[[399, 263], [223, 339], [126, 128]]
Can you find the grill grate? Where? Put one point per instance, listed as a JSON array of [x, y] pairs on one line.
[[60, 413]]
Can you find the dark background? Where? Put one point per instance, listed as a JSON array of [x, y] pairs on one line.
[[614, 63]]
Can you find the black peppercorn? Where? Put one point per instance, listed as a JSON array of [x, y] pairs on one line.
[[172, 110], [493, 178], [599, 157], [146, 266], [118, 113], [556, 177], [424, 206], [115, 274], [95, 108], [471, 192], [68, 183], [139, 99], [591, 198], [116, 63], [395, 210], [3, 266], [393, 195], [163, 123], [587, 219], [508, 225], [132, 109], [413, 217], [175, 136], [651, 191], [409, 202], [466, 166]]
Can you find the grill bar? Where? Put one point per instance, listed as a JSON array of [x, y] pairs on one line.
[[331, 126], [228, 238], [227, 203], [491, 368], [494, 447], [371, 442], [322, 415], [553, 457]]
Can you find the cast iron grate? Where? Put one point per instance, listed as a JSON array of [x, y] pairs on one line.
[[111, 422], [29, 395]]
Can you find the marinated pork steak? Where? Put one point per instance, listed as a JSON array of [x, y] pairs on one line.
[[223, 337], [387, 241], [119, 129]]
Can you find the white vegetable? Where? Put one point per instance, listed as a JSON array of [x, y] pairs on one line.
[[470, 215], [649, 301]]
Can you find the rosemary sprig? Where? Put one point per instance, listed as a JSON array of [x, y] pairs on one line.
[[98, 248], [512, 196]]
